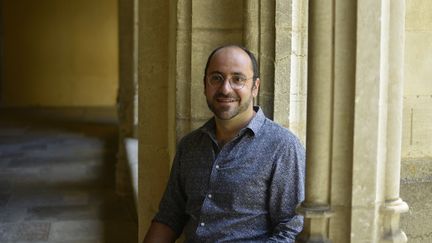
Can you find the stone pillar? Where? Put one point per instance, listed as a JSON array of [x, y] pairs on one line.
[[394, 205], [156, 89], [266, 56], [298, 75], [321, 61], [127, 93], [183, 67], [201, 26], [251, 25], [283, 16], [259, 37], [272, 30], [352, 167]]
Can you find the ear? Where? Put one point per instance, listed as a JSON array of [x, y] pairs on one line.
[[255, 88]]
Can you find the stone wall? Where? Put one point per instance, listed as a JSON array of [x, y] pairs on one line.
[[174, 41], [416, 171]]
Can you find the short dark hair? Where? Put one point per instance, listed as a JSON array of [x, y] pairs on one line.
[[250, 54]]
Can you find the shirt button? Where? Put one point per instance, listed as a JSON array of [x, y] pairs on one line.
[[210, 195], [202, 224], [217, 166]]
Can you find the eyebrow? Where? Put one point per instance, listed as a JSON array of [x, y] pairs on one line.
[[234, 73]]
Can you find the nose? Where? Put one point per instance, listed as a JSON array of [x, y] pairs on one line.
[[225, 86]]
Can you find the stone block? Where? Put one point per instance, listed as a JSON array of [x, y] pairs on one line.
[[12, 214], [221, 14], [77, 230], [5, 185], [4, 198], [418, 50], [34, 198], [418, 15], [363, 223], [93, 230], [29, 231], [416, 127]]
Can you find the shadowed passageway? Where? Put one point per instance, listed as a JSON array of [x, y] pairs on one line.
[[57, 182]]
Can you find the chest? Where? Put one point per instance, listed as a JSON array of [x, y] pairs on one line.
[[235, 172]]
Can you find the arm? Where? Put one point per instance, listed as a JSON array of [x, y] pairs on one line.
[[286, 192], [160, 233], [168, 223]]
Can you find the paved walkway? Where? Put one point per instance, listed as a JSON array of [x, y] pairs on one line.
[[56, 183]]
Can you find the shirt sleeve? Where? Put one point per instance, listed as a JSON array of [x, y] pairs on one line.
[[172, 206], [286, 192]]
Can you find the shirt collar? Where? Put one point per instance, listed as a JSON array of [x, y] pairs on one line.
[[254, 125]]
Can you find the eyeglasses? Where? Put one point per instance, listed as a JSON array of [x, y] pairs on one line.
[[235, 81]]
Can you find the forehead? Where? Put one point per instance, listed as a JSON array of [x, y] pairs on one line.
[[231, 59]]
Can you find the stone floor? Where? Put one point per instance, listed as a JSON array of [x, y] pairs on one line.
[[417, 223], [416, 190], [57, 183]]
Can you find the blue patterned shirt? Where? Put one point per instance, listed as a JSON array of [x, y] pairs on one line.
[[245, 191]]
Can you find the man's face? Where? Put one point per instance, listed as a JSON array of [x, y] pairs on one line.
[[224, 101]]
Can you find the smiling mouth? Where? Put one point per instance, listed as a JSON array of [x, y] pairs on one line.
[[226, 100]]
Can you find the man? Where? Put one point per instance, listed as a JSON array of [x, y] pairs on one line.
[[240, 176]]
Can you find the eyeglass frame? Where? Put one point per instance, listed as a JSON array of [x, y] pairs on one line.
[[230, 78]]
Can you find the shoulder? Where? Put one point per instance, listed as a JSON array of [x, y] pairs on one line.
[[191, 138], [275, 133]]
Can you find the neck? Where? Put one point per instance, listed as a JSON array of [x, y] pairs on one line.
[[226, 130]]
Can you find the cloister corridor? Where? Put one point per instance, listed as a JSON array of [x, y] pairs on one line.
[[57, 180]]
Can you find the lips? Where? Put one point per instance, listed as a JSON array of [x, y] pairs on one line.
[[221, 98], [226, 100]]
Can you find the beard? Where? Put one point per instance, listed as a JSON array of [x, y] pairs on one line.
[[228, 111]]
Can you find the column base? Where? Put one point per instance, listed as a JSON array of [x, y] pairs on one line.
[[312, 239], [392, 232], [316, 217], [397, 237]]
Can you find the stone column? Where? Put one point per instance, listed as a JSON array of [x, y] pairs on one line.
[[353, 122], [183, 68], [394, 205], [266, 56], [316, 207], [156, 89], [272, 30], [127, 93], [251, 25], [298, 75], [205, 26], [283, 16]]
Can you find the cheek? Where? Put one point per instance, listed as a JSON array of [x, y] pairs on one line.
[[208, 92]]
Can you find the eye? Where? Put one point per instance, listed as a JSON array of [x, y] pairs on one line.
[[216, 78], [238, 79]]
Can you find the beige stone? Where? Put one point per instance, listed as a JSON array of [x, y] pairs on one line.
[[418, 15], [349, 176], [156, 107], [221, 14]]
